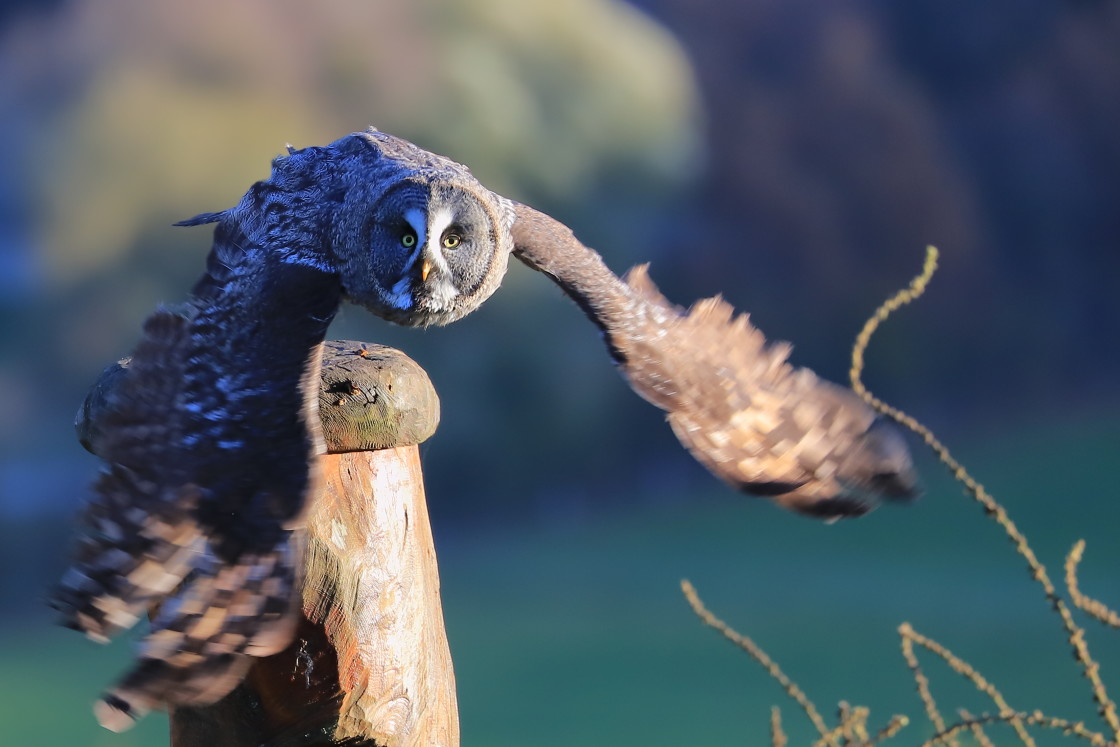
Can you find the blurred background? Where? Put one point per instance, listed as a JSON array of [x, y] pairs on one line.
[[795, 155]]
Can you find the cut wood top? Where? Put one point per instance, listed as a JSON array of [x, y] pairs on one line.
[[374, 397]]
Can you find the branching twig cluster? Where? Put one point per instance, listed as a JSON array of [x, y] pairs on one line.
[[851, 727]]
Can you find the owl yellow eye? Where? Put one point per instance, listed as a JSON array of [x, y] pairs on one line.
[[451, 240], [408, 240]]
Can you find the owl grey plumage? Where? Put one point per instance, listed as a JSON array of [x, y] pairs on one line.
[[211, 440]]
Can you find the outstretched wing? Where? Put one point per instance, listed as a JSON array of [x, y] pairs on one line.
[[138, 534], [210, 439], [733, 400]]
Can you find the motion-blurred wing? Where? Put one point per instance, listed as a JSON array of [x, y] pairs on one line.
[[733, 400], [760, 424], [210, 438], [138, 534]]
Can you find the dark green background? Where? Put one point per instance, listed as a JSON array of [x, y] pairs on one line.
[[572, 629]]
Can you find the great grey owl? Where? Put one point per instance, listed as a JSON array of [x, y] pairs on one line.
[[211, 439]]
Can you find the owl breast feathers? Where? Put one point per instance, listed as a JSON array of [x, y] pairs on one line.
[[211, 439]]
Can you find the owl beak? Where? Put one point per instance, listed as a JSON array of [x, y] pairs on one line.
[[425, 268]]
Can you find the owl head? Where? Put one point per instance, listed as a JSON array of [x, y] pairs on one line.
[[417, 240], [412, 237]]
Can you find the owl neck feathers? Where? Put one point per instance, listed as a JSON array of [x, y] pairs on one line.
[[269, 258]]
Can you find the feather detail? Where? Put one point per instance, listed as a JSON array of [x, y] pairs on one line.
[[203, 638], [757, 422], [139, 536], [734, 401], [202, 219], [211, 439]]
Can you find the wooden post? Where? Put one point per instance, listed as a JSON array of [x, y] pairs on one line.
[[370, 664]]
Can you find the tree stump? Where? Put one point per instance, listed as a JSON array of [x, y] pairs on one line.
[[370, 664]]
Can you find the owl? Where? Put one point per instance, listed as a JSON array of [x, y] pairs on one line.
[[211, 439]]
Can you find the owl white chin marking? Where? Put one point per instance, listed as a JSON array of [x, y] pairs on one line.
[[442, 293]]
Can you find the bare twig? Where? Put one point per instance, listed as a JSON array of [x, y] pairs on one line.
[[977, 730], [760, 656], [1075, 635], [778, 736], [893, 727], [963, 668], [1095, 609], [843, 713], [1070, 728], [852, 720], [921, 681]]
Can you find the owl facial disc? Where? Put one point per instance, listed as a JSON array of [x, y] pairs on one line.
[[418, 241]]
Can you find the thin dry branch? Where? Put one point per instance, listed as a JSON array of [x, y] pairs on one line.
[[893, 727], [851, 721], [760, 656], [843, 713], [977, 730], [963, 668], [1095, 609], [922, 683], [778, 736], [1037, 718], [857, 726], [1075, 635]]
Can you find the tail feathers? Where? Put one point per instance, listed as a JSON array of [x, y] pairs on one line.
[[246, 606], [204, 637], [128, 558]]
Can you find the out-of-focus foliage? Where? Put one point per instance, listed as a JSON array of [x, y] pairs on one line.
[[841, 137], [850, 133], [128, 115], [173, 105]]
